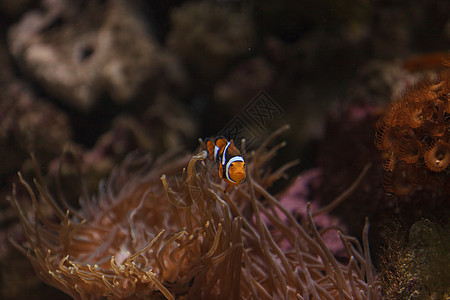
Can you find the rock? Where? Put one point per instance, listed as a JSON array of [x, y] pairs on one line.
[[81, 51], [208, 37]]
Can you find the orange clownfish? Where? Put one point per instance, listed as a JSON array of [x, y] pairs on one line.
[[232, 167]]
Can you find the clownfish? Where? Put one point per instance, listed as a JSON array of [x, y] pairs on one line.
[[232, 168]]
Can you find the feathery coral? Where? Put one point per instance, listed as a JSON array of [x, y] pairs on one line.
[[414, 137], [186, 239], [437, 158]]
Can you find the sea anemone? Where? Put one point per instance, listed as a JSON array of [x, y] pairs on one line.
[[180, 237]]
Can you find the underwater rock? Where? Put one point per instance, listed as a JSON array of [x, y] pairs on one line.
[[170, 124], [165, 124], [81, 51], [378, 80], [399, 30], [296, 198], [29, 124], [244, 82], [208, 36], [414, 263], [11, 10], [290, 20], [348, 146]]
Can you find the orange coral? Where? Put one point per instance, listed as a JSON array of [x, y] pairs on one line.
[[414, 136], [437, 158]]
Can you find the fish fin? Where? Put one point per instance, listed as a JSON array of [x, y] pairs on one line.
[[233, 150], [210, 147], [220, 171], [228, 187], [221, 142]]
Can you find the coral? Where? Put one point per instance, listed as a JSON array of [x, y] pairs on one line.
[[414, 136], [186, 239], [81, 51]]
